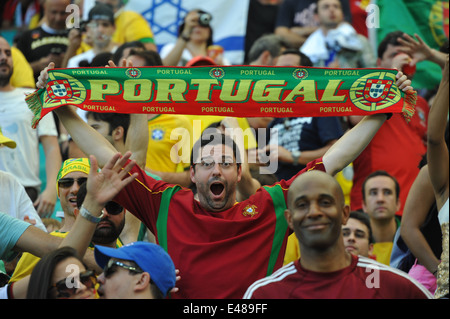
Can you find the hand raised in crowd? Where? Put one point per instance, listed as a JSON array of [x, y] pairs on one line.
[[45, 203], [419, 50], [43, 76], [191, 21], [403, 83], [102, 186]]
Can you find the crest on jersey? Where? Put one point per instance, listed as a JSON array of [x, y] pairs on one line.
[[250, 210]]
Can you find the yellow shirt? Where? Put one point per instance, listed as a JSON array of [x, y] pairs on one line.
[[23, 76], [27, 262], [382, 252], [131, 26], [292, 250], [165, 154], [345, 180]]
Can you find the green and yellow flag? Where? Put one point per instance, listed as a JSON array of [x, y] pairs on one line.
[[429, 19]]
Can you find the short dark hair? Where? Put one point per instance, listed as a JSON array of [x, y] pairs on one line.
[[119, 52], [156, 292], [270, 42], [304, 59], [212, 137], [380, 173], [363, 218], [114, 120], [390, 38], [152, 58]]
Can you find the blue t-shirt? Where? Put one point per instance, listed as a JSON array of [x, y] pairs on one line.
[[302, 134], [10, 231]]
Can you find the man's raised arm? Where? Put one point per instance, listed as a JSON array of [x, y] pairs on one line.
[[349, 146], [88, 139]]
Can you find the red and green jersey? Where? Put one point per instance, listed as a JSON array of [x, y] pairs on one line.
[[219, 254]]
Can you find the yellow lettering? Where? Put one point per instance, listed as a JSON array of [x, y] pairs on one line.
[[137, 90], [330, 90], [100, 88], [204, 89], [228, 88], [171, 90], [262, 92], [307, 88]]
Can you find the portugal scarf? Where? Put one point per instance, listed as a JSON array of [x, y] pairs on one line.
[[237, 91]]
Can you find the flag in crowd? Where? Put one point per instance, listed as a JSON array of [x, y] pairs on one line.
[[428, 19]]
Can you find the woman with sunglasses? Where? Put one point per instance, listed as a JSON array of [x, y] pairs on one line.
[[61, 274]]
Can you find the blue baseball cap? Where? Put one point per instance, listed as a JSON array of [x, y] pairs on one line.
[[149, 257]]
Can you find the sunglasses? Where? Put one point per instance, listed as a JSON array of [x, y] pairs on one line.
[[68, 181], [112, 208], [87, 278], [111, 268]]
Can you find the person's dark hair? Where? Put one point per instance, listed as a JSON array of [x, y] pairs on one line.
[[304, 59], [210, 39], [390, 38], [380, 173], [114, 120], [270, 42], [41, 276], [152, 58], [210, 136], [156, 292], [101, 59], [119, 52], [363, 218]]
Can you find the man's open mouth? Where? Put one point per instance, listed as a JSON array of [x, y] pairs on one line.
[[217, 188]]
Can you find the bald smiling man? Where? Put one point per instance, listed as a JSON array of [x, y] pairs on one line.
[[316, 212]]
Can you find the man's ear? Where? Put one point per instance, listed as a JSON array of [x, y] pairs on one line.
[[288, 216], [265, 57], [345, 214], [363, 206], [378, 62], [143, 282], [118, 133], [399, 204], [192, 174], [239, 173]]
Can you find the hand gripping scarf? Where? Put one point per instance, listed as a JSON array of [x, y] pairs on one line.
[[237, 91]]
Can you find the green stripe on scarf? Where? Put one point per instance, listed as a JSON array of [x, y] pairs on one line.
[[236, 91]]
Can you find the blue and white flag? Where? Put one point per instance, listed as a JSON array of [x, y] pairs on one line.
[[229, 21]]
